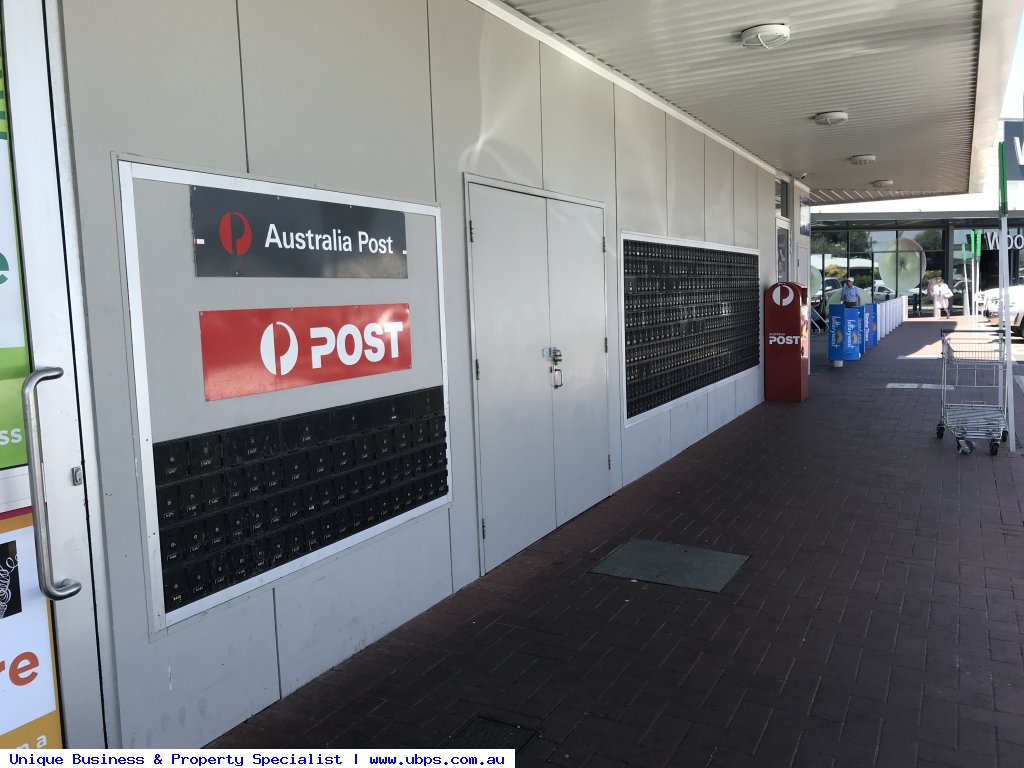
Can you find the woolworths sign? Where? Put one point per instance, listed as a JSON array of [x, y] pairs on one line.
[[979, 240]]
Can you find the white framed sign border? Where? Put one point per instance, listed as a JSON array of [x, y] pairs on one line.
[[128, 171]]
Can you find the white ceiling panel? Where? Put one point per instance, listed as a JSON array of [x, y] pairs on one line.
[[922, 80]]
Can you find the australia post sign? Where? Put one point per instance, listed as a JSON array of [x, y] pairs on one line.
[[248, 351], [250, 234]]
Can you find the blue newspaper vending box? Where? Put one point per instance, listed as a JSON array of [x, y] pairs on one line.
[[845, 332], [870, 325]]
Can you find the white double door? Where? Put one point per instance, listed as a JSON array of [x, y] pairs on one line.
[[540, 369]]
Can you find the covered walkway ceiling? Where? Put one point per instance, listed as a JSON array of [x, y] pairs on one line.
[[922, 80]]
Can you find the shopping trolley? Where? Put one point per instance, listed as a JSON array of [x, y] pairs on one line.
[[973, 388]]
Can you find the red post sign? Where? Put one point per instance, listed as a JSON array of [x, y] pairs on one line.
[[786, 343], [248, 351]]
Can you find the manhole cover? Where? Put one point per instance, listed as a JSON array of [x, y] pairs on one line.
[[484, 733], [672, 564]]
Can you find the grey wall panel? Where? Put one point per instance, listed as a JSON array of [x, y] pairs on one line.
[[203, 677], [579, 132], [689, 422], [338, 94], [579, 159], [485, 84], [721, 405], [161, 80], [330, 611], [745, 201], [485, 78], [718, 193], [178, 404], [640, 165], [748, 390], [646, 444], [685, 181]]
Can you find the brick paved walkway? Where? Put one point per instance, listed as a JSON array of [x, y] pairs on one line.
[[877, 622]]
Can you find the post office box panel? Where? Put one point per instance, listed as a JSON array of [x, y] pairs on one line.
[[370, 476], [354, 481], [310, 500], [254, 480], [351, 419], [277, 511], [175, 589], [395, 501], [234, 486], [220, 571], [204, 454], [382, 473], [325, 495], [279, 549], [191, 499], [343, 521], [321, 462], [314, 534], [329, 526], [421, 431], [427, 401], [388, 411], [395, 472], [213, 491], [403, 437], [256, 514], [294, 505], [240, 559], [172, 547], [170, 461], [168, 505], [217, 531], [195, 539], [322, 428], [408, 465], [273, 475], [344, 455], [198, 579], [365, 448], [297, 434], [260, 556], [296, 541], [437, 428], [296, 469], [357, 515]]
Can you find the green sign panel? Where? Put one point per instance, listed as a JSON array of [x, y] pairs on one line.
[[14, 362]]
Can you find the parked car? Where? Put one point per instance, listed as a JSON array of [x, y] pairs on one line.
[[881, 292]]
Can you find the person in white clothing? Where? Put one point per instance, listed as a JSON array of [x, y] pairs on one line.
[[941, 294]]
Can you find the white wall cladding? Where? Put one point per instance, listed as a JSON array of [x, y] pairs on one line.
[[360, 99]]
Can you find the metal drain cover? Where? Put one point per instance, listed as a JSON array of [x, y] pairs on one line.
[[484, 733], [673, 564]]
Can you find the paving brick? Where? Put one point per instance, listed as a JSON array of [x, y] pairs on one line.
[[876, 623]]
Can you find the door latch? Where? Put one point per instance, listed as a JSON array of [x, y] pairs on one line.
[[554, 354]]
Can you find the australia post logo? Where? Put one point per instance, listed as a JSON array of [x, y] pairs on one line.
[[235, 233], [249, 351]]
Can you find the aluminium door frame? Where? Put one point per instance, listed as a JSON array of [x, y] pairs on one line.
[[36, 75], [546, 194]]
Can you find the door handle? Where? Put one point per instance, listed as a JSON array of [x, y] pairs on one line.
[[556, 377], [44, 558]]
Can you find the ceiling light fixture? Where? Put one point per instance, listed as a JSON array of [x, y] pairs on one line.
[[882, 183], [765, 36], [863, 159], [837, 117]]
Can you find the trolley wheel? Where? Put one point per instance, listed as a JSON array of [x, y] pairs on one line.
[[940, 430], [1006, 435], [993, 447]]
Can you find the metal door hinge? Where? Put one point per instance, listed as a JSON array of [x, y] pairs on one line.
[[477, 365], [609, 462], [77, 478], [606, 345], [604, 244], [483, 528], [471, 232]]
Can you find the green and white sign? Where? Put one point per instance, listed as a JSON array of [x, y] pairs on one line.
[[14, 362]]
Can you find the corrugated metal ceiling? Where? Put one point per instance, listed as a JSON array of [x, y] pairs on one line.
[[905, 70]]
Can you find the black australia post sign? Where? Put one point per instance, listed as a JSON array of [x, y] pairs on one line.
[[251, 234]]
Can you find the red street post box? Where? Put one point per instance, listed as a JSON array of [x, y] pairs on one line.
[[786, 343]]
